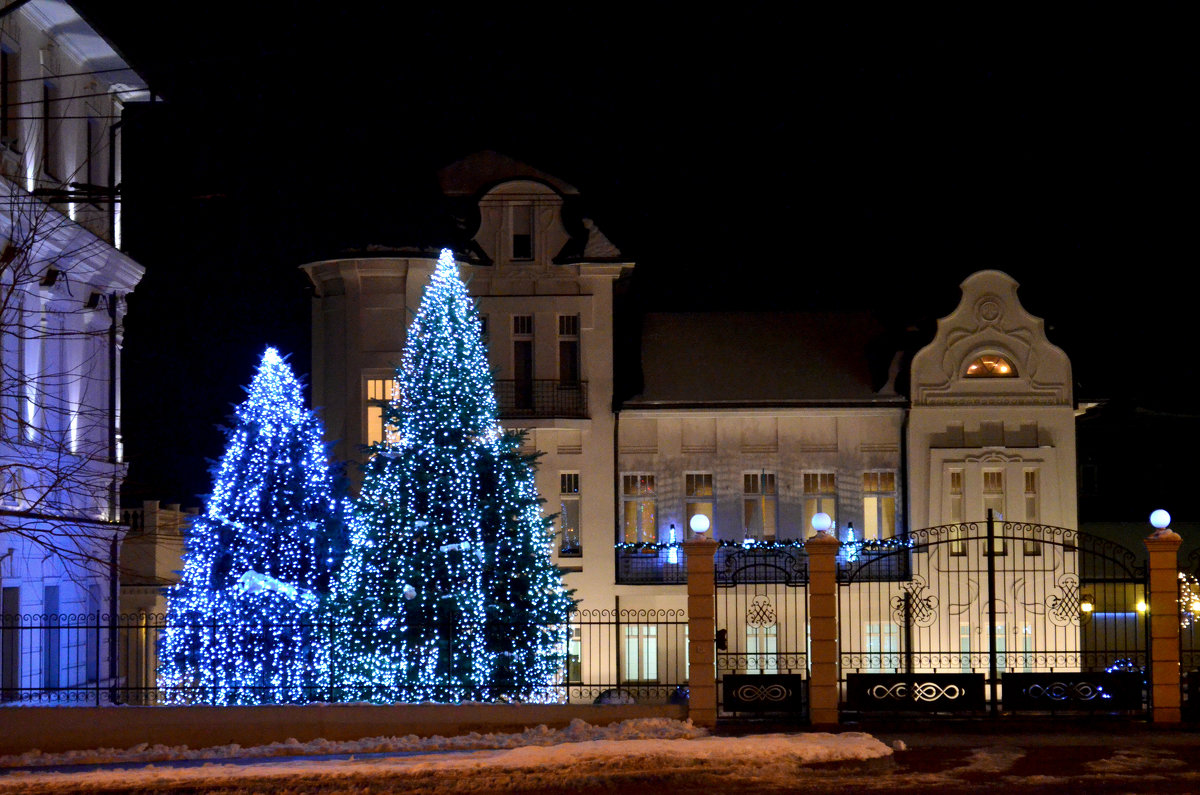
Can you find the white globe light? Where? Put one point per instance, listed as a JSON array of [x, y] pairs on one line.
[[821, 522], [1160, 519], [699, 523]]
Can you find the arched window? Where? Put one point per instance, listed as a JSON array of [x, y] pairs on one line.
[[991, 366]]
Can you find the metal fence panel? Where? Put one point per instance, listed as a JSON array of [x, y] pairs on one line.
[[1006, 599]]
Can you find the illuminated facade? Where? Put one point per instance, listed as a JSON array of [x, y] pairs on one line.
[[64, 283], [754, 421]]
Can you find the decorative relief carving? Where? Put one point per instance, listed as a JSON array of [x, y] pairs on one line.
[[989, 309]]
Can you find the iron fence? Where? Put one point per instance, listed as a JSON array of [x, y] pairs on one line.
[[1189, 643], [96, 659], [1044, 618]]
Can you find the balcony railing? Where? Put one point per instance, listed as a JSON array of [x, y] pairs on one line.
[[651, 565], [543, 398]]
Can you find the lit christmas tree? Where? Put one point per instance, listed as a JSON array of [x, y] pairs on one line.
[[526, 604], [446, 501], [244, 621]]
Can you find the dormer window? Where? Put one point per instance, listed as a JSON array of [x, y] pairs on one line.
[[522, 232], [991, 366]]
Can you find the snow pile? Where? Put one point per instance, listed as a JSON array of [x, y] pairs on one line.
[[700, 764], [578, 731]]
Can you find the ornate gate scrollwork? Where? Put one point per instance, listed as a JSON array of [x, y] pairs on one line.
[[1063, 606], [923, 607]]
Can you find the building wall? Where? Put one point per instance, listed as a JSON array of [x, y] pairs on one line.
[[363, 306], [1012, 424], [63, 286]]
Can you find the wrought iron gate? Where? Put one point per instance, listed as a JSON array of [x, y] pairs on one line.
[[992, 616], [762, 630]]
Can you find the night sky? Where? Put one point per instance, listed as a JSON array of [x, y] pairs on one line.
[[745, 160]]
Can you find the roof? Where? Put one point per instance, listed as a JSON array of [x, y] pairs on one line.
[[68, 28], [769, 359], [475, 172]]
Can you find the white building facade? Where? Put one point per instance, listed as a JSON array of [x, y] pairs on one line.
[[757, 421], [64, 282]]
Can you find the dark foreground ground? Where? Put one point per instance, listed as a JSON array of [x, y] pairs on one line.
[[1050, 756], [1103, 755]]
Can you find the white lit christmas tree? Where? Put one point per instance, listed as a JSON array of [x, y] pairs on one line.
[[446, 503], [243, 624]]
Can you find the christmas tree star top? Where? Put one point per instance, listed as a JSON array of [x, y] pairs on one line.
[[445, 381], [274, 396], [446, 266]]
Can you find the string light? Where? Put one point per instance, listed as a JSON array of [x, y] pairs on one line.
[[448, 592], [242, 623]]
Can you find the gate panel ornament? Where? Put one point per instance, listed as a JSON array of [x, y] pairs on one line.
[[1094, 692], [1064, 605], [765, 693], [761, 612], [921, 605], [923, 692]]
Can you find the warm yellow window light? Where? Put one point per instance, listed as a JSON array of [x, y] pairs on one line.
[[991, 366]]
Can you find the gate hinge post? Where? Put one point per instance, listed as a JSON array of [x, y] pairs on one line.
[[823, 692], [702, 631], [1165, 697]]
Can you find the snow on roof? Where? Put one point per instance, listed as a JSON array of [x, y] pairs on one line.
[[764, 359]]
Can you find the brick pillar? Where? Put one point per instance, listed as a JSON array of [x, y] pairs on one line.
[[702, 632], [823, 629], [1163, 546]]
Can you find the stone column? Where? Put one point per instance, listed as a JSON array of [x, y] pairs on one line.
[[702, 632], [1165, 698], [823, 629]]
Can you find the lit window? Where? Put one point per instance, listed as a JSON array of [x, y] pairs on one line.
[[759, 505], [991, 366], [641, 653], [762, 649], [640, 521], [958, 546], [1031, 509], [570, 545], [993, 500], [698, 491], [820, 496], [380, 392], [879, 505]]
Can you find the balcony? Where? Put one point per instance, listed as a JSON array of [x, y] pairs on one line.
[[651, 565], [541, 399]]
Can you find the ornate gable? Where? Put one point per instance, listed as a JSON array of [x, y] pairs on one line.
[[990, 351]]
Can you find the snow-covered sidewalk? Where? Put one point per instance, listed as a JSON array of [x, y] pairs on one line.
[[535, 759]]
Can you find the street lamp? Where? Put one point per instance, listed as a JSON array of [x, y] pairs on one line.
[[821, 522]]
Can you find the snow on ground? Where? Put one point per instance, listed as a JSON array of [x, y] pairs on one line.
[[540, 759], [577, 731]]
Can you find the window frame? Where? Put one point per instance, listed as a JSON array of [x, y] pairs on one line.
[[692, 497], [880, 495], [567, 479], [639, 497], [372, 403], [767, 503], [818, 498]]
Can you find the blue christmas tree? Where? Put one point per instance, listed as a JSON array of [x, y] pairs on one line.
[[243, 624], [443, 498]]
